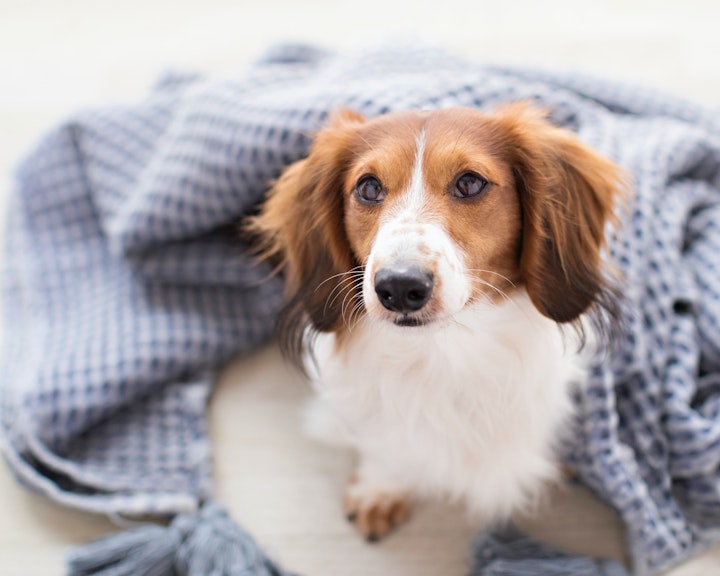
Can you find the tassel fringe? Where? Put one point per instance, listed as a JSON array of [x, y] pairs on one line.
[[206, 544]]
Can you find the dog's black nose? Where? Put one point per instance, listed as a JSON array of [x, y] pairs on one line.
[[403, 290]]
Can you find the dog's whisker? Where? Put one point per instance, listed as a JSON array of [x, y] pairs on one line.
[[481, 270], [353, 276], [341, 284], [346, 303], [483, 299], [338, 290], [355, 312], [355, 315], [350, 272], [349, 288], [338, 287], [499, 291]]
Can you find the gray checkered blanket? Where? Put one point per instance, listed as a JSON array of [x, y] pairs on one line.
[[126, 287]]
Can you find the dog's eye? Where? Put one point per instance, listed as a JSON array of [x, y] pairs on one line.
[[469, 184], [369, 190]]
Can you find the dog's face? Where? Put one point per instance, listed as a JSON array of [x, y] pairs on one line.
[[411, 217], [432, 214]]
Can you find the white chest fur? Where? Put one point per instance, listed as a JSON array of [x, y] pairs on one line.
[[468, 410]]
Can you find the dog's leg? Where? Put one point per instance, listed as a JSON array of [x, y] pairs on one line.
[[375, 503]]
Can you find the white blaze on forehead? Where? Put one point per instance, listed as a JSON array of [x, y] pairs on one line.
[[399, 238], [414, 197]]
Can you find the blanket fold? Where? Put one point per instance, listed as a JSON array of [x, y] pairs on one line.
[[508, 552], [126, 287]]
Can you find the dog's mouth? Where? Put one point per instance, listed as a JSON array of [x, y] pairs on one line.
[[406, 321]]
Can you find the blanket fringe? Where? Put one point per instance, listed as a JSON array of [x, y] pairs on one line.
[[208, 543]]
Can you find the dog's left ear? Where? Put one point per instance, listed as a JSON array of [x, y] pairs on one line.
[[569, 194], [301, 228]]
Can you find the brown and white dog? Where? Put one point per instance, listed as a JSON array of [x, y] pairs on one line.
[[430, 258]]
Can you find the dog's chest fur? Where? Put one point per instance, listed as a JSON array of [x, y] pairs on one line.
[[469, 410]]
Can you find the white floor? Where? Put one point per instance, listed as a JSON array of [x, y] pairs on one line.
[[58, 56]]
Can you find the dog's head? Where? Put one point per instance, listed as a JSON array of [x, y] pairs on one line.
[[408, 218]]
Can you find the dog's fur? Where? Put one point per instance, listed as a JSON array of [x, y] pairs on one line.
[[457, 386]]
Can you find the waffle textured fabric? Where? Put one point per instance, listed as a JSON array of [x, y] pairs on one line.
[[126, 287]]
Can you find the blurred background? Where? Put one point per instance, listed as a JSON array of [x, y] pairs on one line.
[[57, 56]]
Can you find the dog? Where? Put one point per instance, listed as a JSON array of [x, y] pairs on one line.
[[432, 261]]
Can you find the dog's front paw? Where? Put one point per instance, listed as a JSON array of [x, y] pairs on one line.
[[373, 509]]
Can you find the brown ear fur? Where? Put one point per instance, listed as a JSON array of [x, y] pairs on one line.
[[300, 226], [568, 193]]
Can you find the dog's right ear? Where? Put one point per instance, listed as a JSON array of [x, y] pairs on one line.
[[569, 195], [300, 228]]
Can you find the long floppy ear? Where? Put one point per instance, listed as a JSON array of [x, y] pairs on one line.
[[569, 194], [301, 228]]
